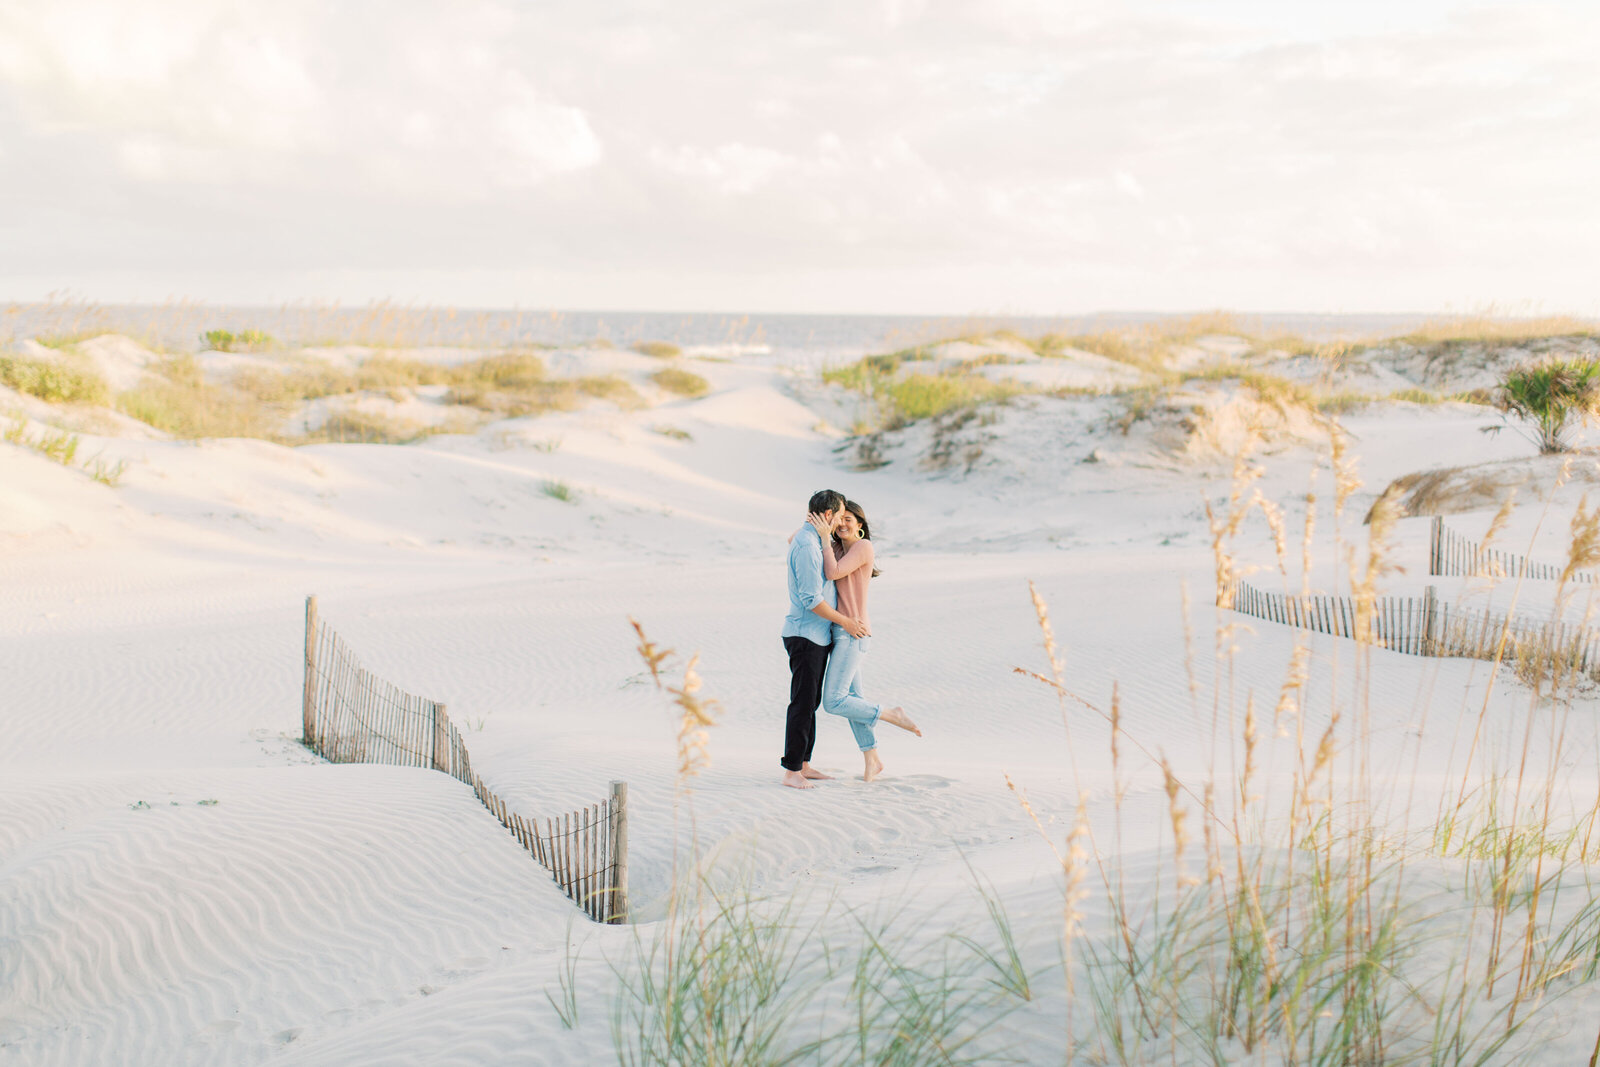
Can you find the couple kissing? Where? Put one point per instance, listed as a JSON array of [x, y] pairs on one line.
[[826, 634]]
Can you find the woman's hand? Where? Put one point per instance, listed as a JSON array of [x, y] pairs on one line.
[[857, 629], [823, 527]]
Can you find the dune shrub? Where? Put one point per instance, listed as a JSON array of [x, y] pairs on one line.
[[60, 382], [179, 401], [1549, 397], [914, 396], [922, 396], [658, 349], [680, 381]]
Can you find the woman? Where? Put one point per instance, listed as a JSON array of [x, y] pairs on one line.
[[849, 567]]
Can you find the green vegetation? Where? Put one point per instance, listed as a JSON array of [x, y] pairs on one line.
[[680, 381], [922, 396], [254, 403], [671, 431], [106, 473], [68, 340], [1289, 918], [535, 397], [228, 341], [1147, 347], [658, 349], [63, 381], [561, 491], [62, 447], [1497, 329], [354, 426], [1550, 396], [1268, 388], [179, 401], [905, 399]]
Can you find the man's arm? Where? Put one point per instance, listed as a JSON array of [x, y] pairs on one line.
[[805, 567], [852, 626], [805, 563]]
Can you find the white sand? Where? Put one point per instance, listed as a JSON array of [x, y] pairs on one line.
[[150, 662]]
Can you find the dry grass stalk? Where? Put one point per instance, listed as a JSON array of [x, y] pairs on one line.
[[1178, 815], [1209, 838], [1245, 796], [1294, 680], [697, 715], [652, 655]]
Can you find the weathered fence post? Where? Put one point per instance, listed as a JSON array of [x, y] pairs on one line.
[[1436, 546], [441, 739], [308, 718], [619, 853], [1430, 621]]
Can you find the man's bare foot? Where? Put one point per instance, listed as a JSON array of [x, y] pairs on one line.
[[874, 765], [796, 780], [815, 775], [896, 716]]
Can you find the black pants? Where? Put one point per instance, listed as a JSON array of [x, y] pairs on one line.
[[807, 664]]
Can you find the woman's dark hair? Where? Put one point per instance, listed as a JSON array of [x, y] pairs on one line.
[[825, 500], [866, 531]]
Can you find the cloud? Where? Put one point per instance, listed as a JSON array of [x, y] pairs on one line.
[[925, 156], [294, 94]]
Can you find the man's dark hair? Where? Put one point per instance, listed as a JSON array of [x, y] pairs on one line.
[[825, 500]]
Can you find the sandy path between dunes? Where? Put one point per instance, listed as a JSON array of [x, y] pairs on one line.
[[319, 914]]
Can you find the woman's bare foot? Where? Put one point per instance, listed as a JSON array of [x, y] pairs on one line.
[[815, 775], [874, 765], [896, 716], [796, 780]]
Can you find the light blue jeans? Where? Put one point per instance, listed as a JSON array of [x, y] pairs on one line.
[[841, 687]]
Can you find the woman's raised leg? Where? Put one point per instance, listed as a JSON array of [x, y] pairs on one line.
[[841, 693]]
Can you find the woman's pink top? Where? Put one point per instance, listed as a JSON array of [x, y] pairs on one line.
[[850, 571]]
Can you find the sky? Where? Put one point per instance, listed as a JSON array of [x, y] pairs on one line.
[[897, 156]]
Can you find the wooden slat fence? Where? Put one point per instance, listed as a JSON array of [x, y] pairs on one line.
[[352, 716], [1451, 555], [1427, 626]]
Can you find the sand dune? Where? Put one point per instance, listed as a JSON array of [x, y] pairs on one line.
[[180, 882]]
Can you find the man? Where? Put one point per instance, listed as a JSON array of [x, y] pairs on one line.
[[808, 638]]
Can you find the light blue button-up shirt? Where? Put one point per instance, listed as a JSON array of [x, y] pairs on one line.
[[807, 589]]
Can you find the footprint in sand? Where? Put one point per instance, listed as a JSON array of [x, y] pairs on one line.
[[464, 968]]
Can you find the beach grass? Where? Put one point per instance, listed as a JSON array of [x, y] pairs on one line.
[[62, 447], [1309, 918], [240, 341], [906, 398], [658, 349], [558, 490], [62, 381], [178, 400], [682, 382], [355, 426]]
